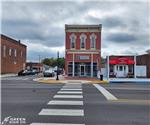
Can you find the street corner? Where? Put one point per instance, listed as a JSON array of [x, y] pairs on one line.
[[53, 80], [99, 82], [48, 80]]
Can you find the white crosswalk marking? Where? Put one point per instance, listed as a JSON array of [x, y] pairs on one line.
[[106, 93], [67, 92], [70, 89], [68, 96], [55, 124], [62, 112], [60, 102]]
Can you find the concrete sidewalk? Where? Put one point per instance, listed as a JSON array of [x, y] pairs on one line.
[[134, 80], [64, 79], [7, 75]]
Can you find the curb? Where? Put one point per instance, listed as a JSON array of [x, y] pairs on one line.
[[40, 80]]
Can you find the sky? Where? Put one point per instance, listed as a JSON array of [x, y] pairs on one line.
[[40, 24]]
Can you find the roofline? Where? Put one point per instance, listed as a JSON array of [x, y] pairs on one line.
[[78, 26], [13, 40]]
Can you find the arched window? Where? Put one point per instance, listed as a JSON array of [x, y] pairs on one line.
[[93, 41], [82, 41], [72, 41]]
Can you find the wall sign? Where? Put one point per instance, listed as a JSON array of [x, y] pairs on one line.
[[83, 57]]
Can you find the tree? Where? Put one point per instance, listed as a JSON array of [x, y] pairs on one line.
[[53, 62], [46, 61]]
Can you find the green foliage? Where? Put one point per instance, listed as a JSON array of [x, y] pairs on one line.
[[53, 62], [103, 60]]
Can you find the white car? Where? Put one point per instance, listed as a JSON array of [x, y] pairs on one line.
[[49, 73]]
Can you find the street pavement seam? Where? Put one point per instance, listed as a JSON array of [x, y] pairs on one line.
[[67, 92], [106, 93]]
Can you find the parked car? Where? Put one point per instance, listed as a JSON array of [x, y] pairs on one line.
[[49, 73], [26, 72], [22, 73]]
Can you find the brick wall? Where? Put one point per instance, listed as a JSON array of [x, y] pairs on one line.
[[13, 55]]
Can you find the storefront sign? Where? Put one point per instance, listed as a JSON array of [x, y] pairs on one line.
[[83, 57], [121, 61]]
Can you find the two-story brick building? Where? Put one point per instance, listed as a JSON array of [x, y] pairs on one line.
[[13, 55], [83, 50]]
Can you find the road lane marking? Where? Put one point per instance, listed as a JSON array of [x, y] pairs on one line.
[[125, 88], [69, 92], [62, 112], [132, 101], [106, 93], [59, 102], [68, 96], [55, 124], [71, 89]]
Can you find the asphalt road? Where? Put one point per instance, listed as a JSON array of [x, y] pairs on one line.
[[24, 98]]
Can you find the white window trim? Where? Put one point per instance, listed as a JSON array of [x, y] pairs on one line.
[[15, 53], [4, 51], [10, 51], [92, 35], [84, 36], [71, 36]]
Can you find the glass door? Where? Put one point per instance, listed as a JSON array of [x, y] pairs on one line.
[[82, 70]]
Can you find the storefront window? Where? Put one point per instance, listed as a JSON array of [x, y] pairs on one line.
[[70, 69], [130, 68]]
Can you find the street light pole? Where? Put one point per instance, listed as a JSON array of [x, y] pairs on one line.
[[57, 65]]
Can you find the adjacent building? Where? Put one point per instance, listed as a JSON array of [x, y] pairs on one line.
[[35, 65], [119, 66], [144, 60], [13, 55], [83, 50]]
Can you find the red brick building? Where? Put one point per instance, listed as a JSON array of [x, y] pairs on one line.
[[13, 55], [83, 50], [35, 65]]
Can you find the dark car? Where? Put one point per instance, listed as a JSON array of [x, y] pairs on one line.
[[22, 73], [26, 72]]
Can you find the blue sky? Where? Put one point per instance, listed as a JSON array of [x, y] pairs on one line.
[[40, 24]]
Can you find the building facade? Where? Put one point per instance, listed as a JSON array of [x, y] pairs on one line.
[[13, 55], [144, 60], [121, 66], [34, 65], [83, 50]]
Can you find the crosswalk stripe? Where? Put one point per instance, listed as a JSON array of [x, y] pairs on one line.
[[106, 93], [69, 92], [60, 102], [72, 85], [55, 124], [70, 89], [68, 96], [62, 112]]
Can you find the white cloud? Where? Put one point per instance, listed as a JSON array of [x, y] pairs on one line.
[[40, 25]]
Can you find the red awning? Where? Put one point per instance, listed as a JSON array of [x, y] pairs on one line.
[[123, 60]]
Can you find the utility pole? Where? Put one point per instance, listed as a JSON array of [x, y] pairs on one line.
[[39, 59], [57, 65], [39, 62]]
